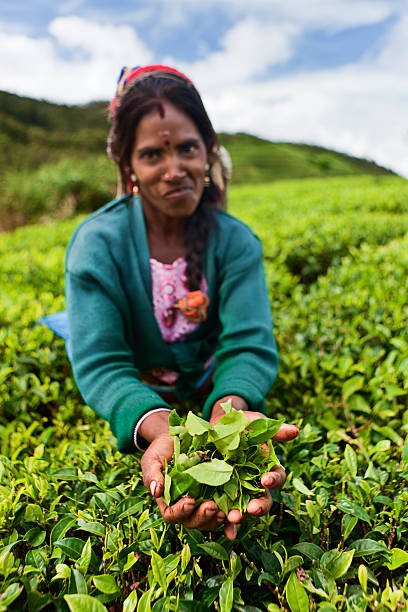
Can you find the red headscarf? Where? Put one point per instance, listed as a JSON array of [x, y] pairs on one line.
[[128, 75]]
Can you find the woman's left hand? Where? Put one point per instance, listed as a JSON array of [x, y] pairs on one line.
[[270, 480]]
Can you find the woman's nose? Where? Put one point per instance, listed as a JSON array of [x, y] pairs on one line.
[[173, 170]]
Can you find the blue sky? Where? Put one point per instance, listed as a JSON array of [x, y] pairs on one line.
[[327, 72]]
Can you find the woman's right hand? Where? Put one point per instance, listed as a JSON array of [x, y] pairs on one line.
[[206, 517]]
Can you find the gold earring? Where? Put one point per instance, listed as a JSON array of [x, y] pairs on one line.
[[134, 185], [207, 179]]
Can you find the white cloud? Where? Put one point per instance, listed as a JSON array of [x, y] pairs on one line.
[[359, 108], [248, 49], [394, 54], [332, 15], [79, 62]]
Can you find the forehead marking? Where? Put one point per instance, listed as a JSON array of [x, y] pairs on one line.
[[165, 135]]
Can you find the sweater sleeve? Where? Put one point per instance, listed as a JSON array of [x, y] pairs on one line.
[[246, 360], [102, 360]]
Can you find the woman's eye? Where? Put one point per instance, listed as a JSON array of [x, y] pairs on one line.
[[151, 155], [189, 148]]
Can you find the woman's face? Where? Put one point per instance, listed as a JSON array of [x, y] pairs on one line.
[[169, 159]]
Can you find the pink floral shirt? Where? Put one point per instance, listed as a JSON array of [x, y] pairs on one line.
[[168, 286]]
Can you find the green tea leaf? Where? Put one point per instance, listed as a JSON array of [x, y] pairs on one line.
[[222, 501], [159, 571], [300, 486], [350, 507], [227, 595], [175, 419], [196, 425], [351, 460], [213, 549], [248, 485], [215, 472], [308, 549], [84, 603], [128, 507], [180, 483], [362, 577], [231, 488], [93, 527], [80, 582], [105, 583], [263, 429], [36, 536], [85, 558], [399, 557], [296, 595], [144, 601], [185, 557], [366, 547], [167, 487], [335, 564], [10, 594], [352, 385], [129, 605], [348, 522], [226, 433]]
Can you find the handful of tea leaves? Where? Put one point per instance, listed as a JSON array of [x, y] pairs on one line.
[[223, 462]]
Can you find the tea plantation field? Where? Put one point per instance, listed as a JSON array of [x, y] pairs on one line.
[[78, 530]]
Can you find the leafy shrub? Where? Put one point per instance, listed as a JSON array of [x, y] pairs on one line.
[[59, 189], [79, 531]]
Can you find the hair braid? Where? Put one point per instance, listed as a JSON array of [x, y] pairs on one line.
[[197, 230]]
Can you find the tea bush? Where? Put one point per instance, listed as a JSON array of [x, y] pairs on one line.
[[78, 530]]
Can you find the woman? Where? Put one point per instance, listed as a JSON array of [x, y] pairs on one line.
[[165, 291]]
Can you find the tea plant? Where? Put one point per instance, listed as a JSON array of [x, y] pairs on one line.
[[79, 531]]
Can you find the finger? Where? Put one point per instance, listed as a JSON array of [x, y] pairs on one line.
[[230, 531], [153, 463], [286, 432], [275, 479], [178, 512], [206, 517], [261, 505], [235, 516], [152, 474]]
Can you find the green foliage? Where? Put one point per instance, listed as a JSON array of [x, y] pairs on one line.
[[255, 160], [223, 462], [79, 531], [59, 189]]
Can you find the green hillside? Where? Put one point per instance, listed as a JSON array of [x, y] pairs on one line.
[[259, 161], [53, 161], [33, 132]]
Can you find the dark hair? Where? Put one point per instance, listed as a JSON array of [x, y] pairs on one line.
[[141, 98]]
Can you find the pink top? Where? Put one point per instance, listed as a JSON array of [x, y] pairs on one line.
[[168, 286]]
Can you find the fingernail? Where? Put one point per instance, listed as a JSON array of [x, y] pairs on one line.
[[153, 487], [271, 482], [188, 506]]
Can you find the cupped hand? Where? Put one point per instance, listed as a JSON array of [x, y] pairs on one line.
[[206, 517], [274, 479]]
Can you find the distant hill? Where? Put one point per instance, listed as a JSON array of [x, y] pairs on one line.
[[34, 132]]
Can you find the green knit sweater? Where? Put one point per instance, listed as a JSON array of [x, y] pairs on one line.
[[115, 336]]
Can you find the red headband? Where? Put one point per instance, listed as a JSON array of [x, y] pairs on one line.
[[130, 74]]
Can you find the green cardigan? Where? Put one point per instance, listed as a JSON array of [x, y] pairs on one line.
[[115, 336]]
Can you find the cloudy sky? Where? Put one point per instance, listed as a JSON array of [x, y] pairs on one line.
[[327, 72]]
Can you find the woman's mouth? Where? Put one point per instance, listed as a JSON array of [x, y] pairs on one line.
[[178, 192]]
